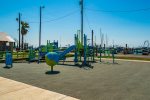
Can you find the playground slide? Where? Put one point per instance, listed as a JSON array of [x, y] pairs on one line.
[[67, 51]]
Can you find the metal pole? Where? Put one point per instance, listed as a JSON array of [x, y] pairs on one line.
[[92, 38], [93, 45], [113, 55], [85, 46], [100, 53], [40, 31], [81, 3], [19, 29], [75, 53], [40, 27], [41, 7]]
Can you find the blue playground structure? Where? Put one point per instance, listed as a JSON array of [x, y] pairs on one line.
[[107, 53], [67, 51], [38, 55], [49, 47], [80, 51], [32, 54]]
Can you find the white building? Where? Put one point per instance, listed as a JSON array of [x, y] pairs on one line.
[[6, 39]]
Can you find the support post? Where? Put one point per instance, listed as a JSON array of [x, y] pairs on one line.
[[19, 29], [75, 55], [100, 53], [113, 55], [41, 7], [51, 68], [92, 45], [104, 50], [85, 45], [81, 4]]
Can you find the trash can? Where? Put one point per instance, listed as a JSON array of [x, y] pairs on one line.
[[8, 59]]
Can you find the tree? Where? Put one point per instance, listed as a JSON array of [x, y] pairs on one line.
[[24, 30]]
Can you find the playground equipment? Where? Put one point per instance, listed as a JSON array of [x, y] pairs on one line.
[[52, 58], [79, 50], [43, 50], [32, 54], [50, 47], [82, 51], [108, 53]]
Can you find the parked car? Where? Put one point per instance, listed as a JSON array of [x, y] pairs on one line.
[[145, 51]]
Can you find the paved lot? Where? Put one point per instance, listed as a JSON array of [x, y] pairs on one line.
[[122, 81]]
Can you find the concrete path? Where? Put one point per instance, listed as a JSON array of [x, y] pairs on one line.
[[13, 90]]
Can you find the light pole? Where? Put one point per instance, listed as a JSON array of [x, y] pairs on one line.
[[41, 7]]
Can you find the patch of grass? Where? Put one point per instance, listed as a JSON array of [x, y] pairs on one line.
[[128, 58], [133, 58]]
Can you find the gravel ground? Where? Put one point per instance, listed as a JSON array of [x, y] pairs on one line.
[[122, 81]]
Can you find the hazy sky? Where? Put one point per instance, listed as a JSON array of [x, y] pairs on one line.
[[61, 20]]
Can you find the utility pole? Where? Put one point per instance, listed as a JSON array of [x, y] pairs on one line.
[[19, 21], [93, 45], [41, 7], [81, 4], [92, 38]]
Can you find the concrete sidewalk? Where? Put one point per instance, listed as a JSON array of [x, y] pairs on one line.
[[13, 90]]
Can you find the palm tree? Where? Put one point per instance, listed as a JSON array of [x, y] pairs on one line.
[[24, 30]]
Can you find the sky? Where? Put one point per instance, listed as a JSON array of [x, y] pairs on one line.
[[61, 20]]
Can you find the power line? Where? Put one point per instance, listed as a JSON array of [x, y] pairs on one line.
[[58, 18], [120, 11], [88, 21], [33, 22]]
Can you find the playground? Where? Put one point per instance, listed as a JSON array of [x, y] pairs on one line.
[[123, 81], [82, 71], [61, 61]]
